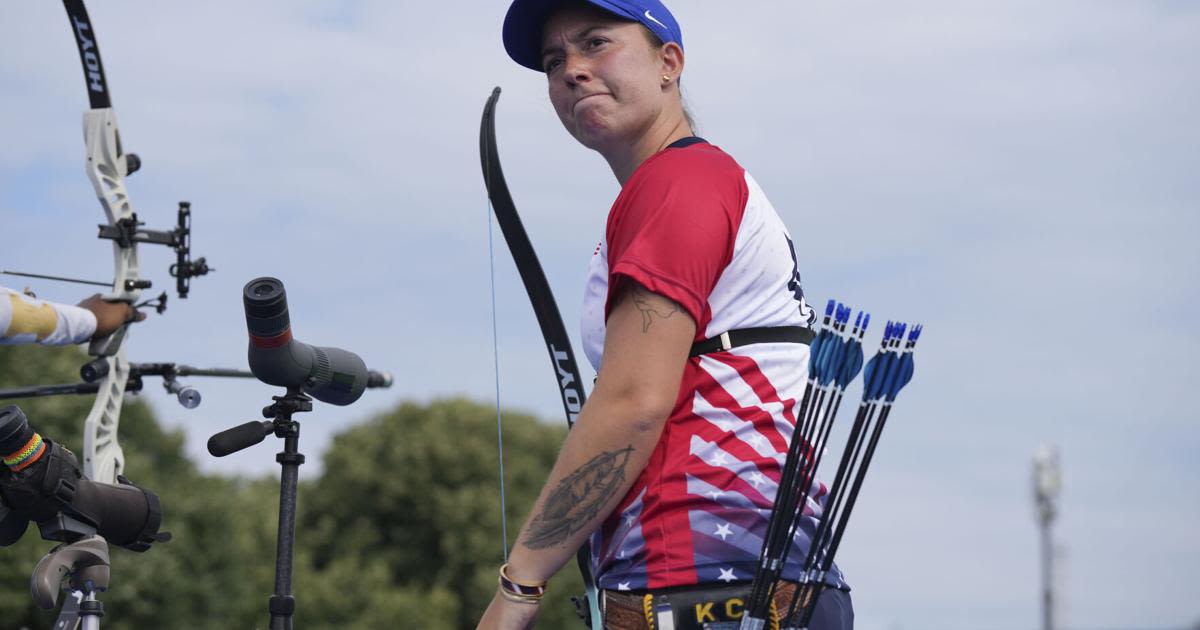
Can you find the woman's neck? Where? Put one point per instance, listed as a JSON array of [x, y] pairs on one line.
[[626, 158]]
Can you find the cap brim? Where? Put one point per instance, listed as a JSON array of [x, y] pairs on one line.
[[523, 31], [523, 24]]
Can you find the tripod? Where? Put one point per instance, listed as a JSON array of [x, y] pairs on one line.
[[84, 565], [282, 604]]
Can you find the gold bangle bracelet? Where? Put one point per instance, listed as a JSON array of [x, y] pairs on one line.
[[521, 599], [526, 592]]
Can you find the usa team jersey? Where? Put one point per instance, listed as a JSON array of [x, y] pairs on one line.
[[693, 226]]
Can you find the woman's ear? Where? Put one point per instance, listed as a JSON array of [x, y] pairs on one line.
[[671, 58]]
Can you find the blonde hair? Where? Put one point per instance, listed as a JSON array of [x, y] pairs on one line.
[[657, 43]]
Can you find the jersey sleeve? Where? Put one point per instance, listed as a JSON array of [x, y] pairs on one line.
[[673, 228], [28, 320]]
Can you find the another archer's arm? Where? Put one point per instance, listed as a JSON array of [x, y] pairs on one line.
[[25, 319], [646, 346]]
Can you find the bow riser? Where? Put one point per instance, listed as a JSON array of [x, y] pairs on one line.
[[106, 168], [103, 458]]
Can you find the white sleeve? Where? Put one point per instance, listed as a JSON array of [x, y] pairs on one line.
[[28, 320]]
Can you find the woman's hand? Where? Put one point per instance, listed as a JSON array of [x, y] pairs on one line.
[[504, 614], [110, 315]]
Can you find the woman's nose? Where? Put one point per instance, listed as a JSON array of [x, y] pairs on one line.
[[576, 69]]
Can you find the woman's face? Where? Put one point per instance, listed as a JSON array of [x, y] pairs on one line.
[[605, 79]]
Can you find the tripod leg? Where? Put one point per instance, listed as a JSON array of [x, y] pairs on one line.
[[68, 617], [283, 603]]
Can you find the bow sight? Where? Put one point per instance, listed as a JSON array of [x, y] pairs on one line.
[[125, 232]]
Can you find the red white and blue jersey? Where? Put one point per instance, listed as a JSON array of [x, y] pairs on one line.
[[693, 226]]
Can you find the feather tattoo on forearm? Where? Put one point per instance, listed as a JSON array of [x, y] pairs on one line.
[[578, 499]]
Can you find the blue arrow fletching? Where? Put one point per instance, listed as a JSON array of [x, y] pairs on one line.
[[821, 363], [837, 352], [887, 376], [852, 364], [817, 354], [871, 376], [904, 374], [814, 350], [829, 308]]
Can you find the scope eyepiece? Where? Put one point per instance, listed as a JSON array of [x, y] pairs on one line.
[[13, 425], [20, 445], [266, 306]]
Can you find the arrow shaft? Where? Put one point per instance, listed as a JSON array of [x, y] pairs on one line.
[[55, 278]]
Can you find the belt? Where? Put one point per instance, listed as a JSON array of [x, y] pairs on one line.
[[691, 608], [747, 336]]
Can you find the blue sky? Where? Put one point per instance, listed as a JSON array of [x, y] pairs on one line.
[[1020, 176]]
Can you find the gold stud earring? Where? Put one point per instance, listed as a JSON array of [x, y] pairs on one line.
[[666, 78]]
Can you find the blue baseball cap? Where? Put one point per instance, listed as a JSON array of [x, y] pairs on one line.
[[525, 19]]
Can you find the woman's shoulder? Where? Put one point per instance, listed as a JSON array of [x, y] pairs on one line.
[[697, 181], [693, 159]]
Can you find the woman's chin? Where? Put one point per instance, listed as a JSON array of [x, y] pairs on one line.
[[597, 136]]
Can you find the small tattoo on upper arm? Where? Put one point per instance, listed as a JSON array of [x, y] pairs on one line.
[[578, 499], [650, 307]]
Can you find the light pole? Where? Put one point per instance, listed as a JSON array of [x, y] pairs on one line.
[[1047, 484]]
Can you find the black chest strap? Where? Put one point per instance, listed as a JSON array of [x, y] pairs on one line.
[[747, 336]]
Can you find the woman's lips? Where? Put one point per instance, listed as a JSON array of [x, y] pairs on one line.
[[576, 106]]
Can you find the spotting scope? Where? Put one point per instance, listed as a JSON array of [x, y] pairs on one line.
[[330, 375], [41, 482]]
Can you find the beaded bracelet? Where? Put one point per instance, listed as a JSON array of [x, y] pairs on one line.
[[517, 592]]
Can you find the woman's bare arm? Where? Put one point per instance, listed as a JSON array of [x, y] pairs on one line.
[[646, 345]]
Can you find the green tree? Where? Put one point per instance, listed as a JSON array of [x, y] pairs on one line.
[[417, 490]]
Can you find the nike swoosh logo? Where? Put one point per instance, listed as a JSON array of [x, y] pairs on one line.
[[651, 18]]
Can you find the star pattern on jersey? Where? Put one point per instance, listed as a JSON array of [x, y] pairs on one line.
[[757, 479], [740, 409]]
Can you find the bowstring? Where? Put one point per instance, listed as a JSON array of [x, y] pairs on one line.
[[496, 368]]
